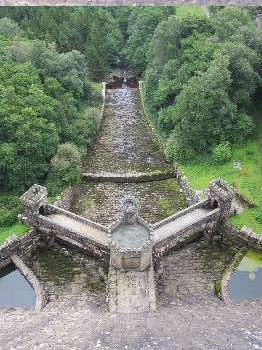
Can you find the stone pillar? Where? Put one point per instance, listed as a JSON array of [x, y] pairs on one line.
[[34, 200], [220, 196]]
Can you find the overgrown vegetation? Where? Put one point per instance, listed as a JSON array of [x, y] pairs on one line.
[[47, 98], [201, 76]]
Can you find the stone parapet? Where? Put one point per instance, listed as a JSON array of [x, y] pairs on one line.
[[180, 213], [71, 236], [185, 235], [56, 210], [21, 246], [190, 194], [244, 236]]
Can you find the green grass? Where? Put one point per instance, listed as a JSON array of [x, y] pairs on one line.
[[17, 229], [97, 87], [247, 181], [181, 11]]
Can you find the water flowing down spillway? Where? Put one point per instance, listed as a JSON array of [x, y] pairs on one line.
[[126, 144]]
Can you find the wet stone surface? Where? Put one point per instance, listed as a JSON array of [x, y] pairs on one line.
[[63, 272], [101, 202], [192, 273], [125, 142]]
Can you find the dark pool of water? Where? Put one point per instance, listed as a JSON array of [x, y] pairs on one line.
[[15, 291], [246, 282]]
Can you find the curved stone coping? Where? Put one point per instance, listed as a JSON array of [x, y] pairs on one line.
[[224, 294], [56, 210], [32, 279], [180, 213], [129, 177], [19, 245]]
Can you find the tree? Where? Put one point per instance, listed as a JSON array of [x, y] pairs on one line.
[[204, 116], [65, 166], [141, 25]]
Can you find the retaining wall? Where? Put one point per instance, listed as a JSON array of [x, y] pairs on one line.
[[244, 236], [21, 246]]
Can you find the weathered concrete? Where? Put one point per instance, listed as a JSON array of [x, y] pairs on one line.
[[72, 323], [131, 291]]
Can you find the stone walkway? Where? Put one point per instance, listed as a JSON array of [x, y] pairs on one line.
[[80, 227], [179, 224], [74, 324], [131, 291]]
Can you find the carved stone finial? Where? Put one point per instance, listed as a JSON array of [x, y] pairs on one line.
[[130, 211]]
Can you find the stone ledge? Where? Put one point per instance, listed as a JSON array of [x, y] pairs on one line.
[[20, 246], [129, 177]]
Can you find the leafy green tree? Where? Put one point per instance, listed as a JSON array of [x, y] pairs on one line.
[[229, 20], [142, 23], [65, 167], [9, 28], [204, 116]]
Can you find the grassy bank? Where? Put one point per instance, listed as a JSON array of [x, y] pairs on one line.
[[17, 229], [181, 11], [247, 180]]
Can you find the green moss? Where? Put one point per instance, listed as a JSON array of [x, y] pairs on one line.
[[166, 205], [88, 202], [17, 229]]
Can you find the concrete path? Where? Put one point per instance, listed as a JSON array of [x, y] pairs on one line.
[[80, 227], [131, 291], [179, 224]]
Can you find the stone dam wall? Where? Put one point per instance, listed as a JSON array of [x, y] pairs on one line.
[[20, 246], [244, 237]]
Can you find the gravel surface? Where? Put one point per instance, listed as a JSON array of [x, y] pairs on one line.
[[73, 323]]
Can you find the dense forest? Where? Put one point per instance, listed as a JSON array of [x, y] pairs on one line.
[[201, 76]]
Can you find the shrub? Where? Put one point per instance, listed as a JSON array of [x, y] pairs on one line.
[[221, 153], [9, 209], [65, 167], [176, 151]]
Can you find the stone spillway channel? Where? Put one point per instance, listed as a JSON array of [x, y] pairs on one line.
[[188, 314], [127, 159]]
